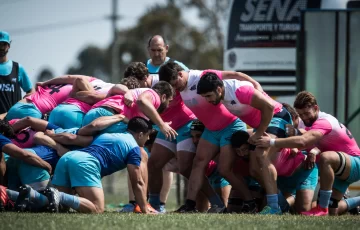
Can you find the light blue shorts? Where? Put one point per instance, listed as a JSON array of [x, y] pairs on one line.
[[30, 174], [77, 169], [217, 181], [119, 127], [342, 185], [183, 134], [21, 110], [223, 137], [67, 116], [302, 179]]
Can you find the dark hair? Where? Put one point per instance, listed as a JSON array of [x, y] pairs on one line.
[[291, 110], [152, 137], [139, 124], [6, 129], [239, 138], [151, 38], [137, 70], [304, 100], [197, 125], [130, 82], [163, 87], [169, 71], [209, 83]]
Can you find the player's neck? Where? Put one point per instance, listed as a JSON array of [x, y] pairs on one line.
[[3, 59]]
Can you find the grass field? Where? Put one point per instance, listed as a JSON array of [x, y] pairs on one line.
[[172, 221]]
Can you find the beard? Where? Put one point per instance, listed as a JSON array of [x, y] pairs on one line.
[[3, 53], [217, 99], [162, 108], [310, 122]]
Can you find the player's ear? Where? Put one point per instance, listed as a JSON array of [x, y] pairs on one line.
[[218, 90]]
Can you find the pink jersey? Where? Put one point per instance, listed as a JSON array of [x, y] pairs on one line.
[[237, 99], [214, 117], [336, 137], [48, 97], [117, 103], [210, 168], [24, 138], [99, 86], [286, 164], [177, 113]]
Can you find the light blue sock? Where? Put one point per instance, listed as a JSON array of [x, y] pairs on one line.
[[215, 200], [272, 201], [38, 199], [353, 202], [324, 198], [13, 195], [154, 200], [69, 200], [284, 205]]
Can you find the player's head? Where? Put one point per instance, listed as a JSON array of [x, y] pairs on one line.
[[239, 142], [211, 87], [149, 143], [293, 113], [306, 106], [166, 93], [4, 43], [174, 74], [196, 130], [140, 128], [6, 129], [157, 49], [130, 82], [139, 71]]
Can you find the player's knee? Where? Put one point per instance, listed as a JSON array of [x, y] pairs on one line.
[[225, 171], [99, 209], [325, 158]]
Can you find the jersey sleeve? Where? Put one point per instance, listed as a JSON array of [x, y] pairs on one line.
[[13, 121], [244, 94], [4, 141], [322, 125], [218, 72], [154, 97], [24, 79], [134, 156]]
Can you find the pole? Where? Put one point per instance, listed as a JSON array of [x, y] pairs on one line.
[[115, 77]]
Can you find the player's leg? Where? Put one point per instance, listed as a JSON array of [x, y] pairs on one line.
[[305, 189]]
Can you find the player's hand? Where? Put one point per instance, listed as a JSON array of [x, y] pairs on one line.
[[263, 141], [169, 132], [294, 152], [49, 132], [290, 130], [48, 168], [310, 161], [128, 99], [40, 83], [254, 137]]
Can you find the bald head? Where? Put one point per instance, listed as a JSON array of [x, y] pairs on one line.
[[157, 49]]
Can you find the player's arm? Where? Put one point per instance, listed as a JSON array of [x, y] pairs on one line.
[[260, 102], [101, 123], [41, 139], [145, 104], [138, 186], [307, 140], [89, 97], [241, 77], [35, 123], [28, 157], [65, 79], [70, 139], [117, 89]]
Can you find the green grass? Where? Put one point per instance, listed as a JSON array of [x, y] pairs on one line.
[[172, 221]]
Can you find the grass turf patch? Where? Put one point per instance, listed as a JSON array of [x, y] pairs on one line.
[[110, 220]]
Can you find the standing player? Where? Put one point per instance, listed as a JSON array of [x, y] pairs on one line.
[[259, 111], [338, 158]]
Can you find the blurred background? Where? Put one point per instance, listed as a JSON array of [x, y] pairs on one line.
[[286, 45]]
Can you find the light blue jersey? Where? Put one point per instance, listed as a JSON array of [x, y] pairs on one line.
[[114, 151], [155, 69], [24, 80]]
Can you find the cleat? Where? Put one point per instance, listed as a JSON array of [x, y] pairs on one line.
[[127, 208], [5, 203], [161, 209], [23, 203], [269, 211], [186, 209], [151, 210], [217, 209], [249, 207], [53, 196], [355, 211], [317, 211]]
